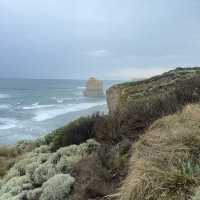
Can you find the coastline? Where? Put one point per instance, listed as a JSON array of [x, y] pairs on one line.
[[32, 108], [61, 120]]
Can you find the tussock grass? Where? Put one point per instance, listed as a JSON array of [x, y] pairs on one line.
[[10, 153], [7, 154], [165, 164]]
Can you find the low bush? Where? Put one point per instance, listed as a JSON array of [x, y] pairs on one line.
[[197, 194], [75, 132], [57, 188], [102, 172], [7, 157], [11, 153]]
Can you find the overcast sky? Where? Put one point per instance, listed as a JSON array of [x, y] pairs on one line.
[[110, 39]]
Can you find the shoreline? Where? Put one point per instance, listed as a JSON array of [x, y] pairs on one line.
[[59, 121]]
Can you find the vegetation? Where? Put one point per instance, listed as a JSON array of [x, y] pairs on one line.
[[196, 195], [92, 157], [10, 154], [36, 171], [75, 132], [57, 187], [7, 155], [102, 172], [165, 162], [138, 114]]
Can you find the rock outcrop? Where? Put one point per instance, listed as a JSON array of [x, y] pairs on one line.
[[120, 95], [94, 88]]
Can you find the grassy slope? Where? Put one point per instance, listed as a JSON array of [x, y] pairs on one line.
[[165, 163], [164, 83]]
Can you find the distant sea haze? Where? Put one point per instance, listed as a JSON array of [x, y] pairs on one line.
[[32, 108]]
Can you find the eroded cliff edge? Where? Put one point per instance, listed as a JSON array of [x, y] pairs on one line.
[[118, 96]]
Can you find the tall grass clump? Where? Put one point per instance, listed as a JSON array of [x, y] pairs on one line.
[[11, 153], [165, 164], [7, 156]]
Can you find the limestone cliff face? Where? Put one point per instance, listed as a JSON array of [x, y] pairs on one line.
[[94, 88], [120, 95]]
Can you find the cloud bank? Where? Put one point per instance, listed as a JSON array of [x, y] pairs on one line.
[[108, 39]]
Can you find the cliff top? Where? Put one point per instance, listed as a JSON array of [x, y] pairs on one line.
[[178, 73], [138, 90]]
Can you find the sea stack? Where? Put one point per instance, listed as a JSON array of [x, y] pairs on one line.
[[94, 88]]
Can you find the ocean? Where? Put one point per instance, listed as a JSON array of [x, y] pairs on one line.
[[32, 108]]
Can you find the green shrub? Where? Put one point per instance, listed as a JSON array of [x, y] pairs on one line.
[[75, 132], [197, 194]]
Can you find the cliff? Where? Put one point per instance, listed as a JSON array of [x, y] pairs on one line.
[[120, 95]]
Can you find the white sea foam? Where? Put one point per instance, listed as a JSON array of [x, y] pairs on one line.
[[4, 96], [61, 99], [81, 87], [7, 123], [36, 106], [43, 115], [78, 93], [4, 106]]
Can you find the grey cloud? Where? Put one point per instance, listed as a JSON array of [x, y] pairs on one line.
[[74, 39]]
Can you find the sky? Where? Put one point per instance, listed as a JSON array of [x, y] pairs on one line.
[[109, 39]]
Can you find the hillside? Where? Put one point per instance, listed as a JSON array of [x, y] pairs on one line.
[[165, 161], [150, 138]]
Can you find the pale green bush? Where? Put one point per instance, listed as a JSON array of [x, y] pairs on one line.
[[62, 160], [197, 194], [9, 196], [37, 167], [43, 173], [57, 187], [34, 194], [42, 149], [15, 186]]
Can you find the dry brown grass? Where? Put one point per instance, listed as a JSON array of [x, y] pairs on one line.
[[7, 155], [165, 164]]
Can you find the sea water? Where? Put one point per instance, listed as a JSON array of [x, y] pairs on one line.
[[32, 108]]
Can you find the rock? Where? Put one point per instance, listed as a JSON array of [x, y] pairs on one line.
[[94, 88]]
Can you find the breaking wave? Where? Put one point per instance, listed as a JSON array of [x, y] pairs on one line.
[[4, 96], [7, 123], [36, 106], [52, 113]]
